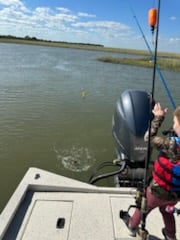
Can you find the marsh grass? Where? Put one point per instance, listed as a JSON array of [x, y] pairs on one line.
[[171, 64], [166, 60]]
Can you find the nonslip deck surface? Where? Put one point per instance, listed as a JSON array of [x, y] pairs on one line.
[[72, 211], [78, 216]]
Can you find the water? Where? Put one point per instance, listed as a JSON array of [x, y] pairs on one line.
[[46, 121]]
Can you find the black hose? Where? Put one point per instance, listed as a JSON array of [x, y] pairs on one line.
[[101, 166], [106, 175]]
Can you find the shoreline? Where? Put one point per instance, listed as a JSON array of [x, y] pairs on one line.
[[169, 64], [166, 61], [85, 46]]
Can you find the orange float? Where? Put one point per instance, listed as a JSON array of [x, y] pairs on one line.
[[152, 18]]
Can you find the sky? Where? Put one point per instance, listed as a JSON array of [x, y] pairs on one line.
[[112, 23]]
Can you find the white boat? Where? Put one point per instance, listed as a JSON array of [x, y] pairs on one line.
[[50, 206]]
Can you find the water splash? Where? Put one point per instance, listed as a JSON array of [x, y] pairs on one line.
[[76, 159], [63, 66]]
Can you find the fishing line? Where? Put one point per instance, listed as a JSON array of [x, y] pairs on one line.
[[152, 58]]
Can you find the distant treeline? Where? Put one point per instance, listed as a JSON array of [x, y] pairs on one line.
[[86, 46], [42, 40]]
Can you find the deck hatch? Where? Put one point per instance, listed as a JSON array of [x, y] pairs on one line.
[[55, 216]]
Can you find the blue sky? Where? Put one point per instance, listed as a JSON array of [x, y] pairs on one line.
[[107, 22]]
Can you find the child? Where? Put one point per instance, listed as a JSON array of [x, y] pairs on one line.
[[158, 193]]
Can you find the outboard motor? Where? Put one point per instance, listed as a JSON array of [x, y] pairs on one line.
[[129, 124]]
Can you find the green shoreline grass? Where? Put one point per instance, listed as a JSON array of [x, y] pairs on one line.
[[170, 64], [167, 61]]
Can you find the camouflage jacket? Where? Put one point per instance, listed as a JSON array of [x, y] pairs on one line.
[[167, 146]]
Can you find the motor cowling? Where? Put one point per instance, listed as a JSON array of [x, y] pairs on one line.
[[129, 124]]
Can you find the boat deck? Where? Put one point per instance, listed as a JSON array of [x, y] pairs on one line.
[[49, 206]]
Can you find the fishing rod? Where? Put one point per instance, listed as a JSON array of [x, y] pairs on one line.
[[153, 21], [152, 58], [142, 199], [143, 232]]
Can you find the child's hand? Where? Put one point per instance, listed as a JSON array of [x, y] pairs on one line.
[[159, 111]]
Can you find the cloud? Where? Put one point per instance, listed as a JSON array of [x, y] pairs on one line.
[[106, 29], [64, 10], [101, 24], [62, 24], [174, 40], [11, 2], [173, 18], [81, 14], [56, 23], [43, 15]]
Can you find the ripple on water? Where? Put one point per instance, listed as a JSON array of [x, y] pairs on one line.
[[75, 158]]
